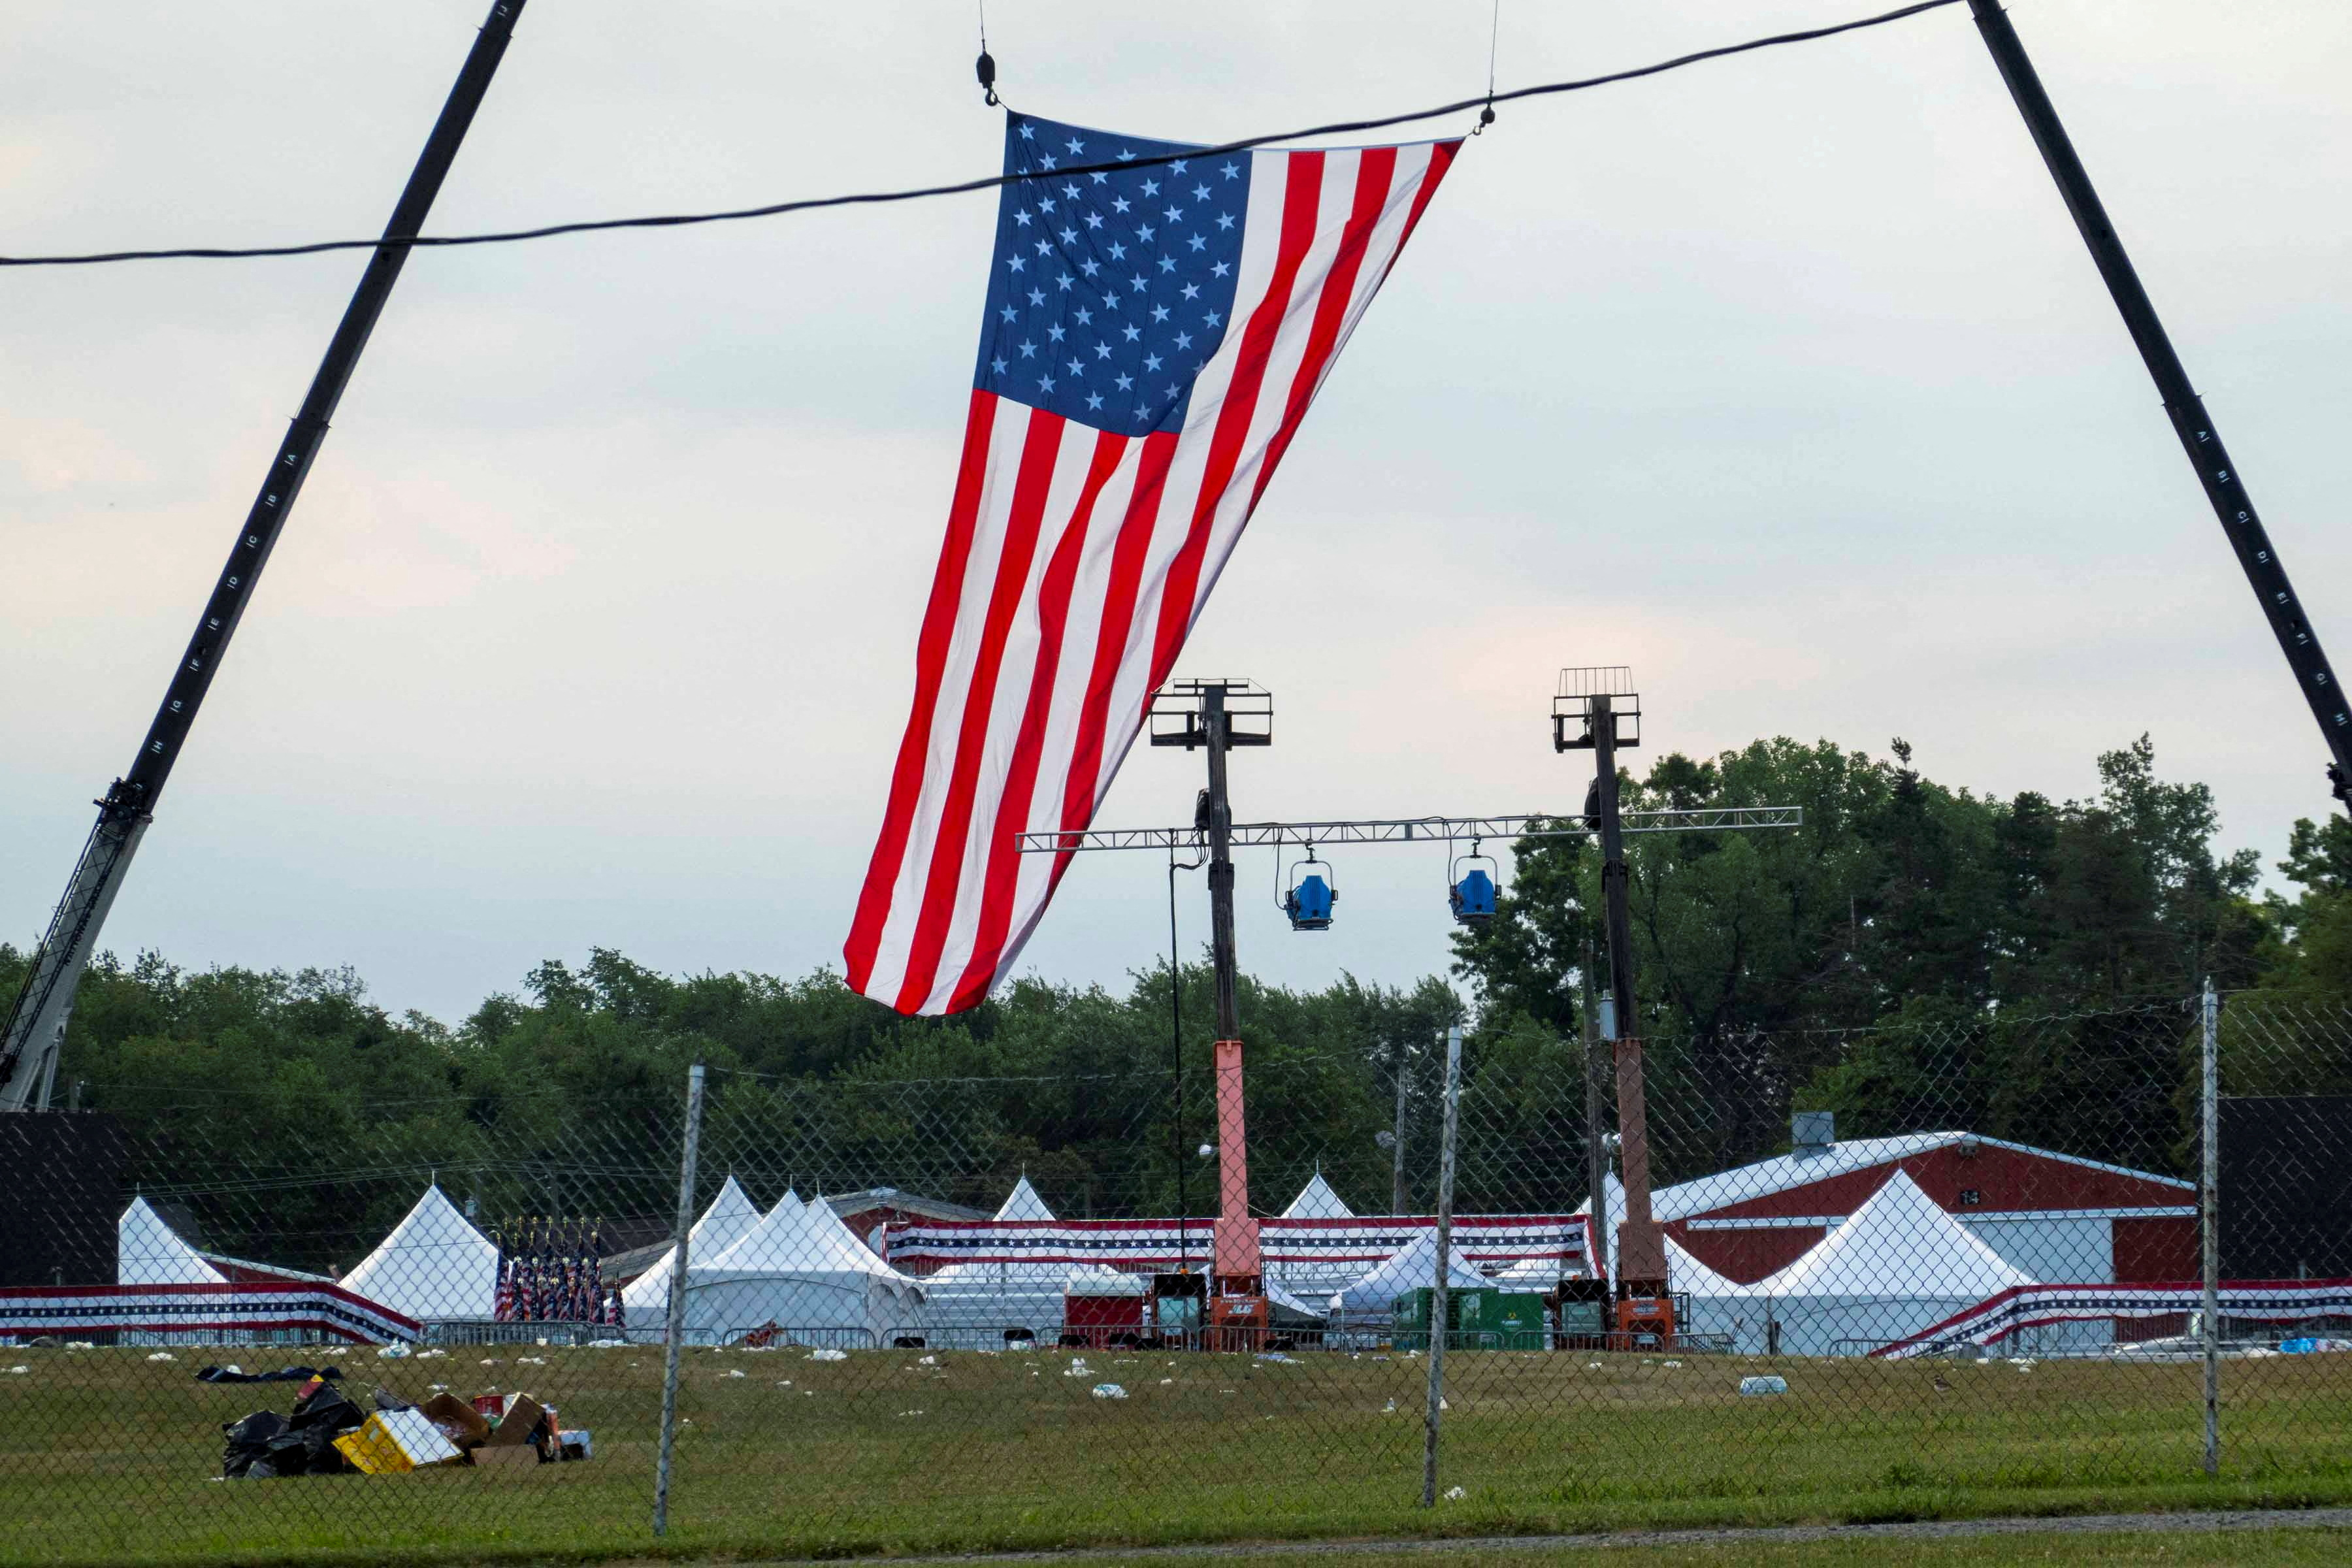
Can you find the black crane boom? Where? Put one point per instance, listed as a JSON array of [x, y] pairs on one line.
[[36, 1022], [2225, 488]]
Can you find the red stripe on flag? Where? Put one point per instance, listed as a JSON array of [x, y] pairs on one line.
[[930, 663], [1035, 479], [1117, 624], [1375, 170], [1301, 196], [1004, 847], [1441, 159]]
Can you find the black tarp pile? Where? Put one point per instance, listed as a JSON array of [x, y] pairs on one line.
[[266, 1444]]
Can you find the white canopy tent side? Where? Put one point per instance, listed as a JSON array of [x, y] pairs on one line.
[[801, 1273], [435, 1264], [645, 1301], [1409, 1267], [1898, 1266], [147, 1251]]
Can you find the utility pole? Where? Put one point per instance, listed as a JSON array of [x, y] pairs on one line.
[[37, 1024], [1208, 710], [1596, 1143], [1397, 1196], [2225, 488]]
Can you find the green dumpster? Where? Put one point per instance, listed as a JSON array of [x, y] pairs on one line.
[[1411, 1311], [1522, 1321], [1477, 1319]]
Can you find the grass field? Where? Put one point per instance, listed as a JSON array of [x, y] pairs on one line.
[[2248, 1548], [108, 1457]]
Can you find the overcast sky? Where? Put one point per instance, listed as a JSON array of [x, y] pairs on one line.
[[1784, 379]]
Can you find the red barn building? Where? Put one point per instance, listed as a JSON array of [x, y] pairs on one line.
[[2058, 1217]]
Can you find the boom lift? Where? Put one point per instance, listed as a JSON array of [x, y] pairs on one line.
[[36, 1023]]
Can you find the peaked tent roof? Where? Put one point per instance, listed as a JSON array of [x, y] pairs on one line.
[[729, 1218], [1023, 1203], [148, 1251], [1410, 1266], [827, 1220], [1901, 1244], [1687, 1275], [798, 1238], [1316, 1200], [435, 1264]]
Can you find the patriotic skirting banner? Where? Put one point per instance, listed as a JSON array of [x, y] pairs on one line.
[[200, 1313], [1155, 332], [1353, 1247], [2037, 1306]]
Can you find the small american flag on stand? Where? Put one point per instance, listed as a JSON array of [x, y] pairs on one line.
[[1155, 332]]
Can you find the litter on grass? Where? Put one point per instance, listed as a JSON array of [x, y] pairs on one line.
[[1109, 1391], [1752, 1387], [828, 1355]]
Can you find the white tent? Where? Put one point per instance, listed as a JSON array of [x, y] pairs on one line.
[[645, 1301], [1316, 1200], [980, 1301], [435, 1264], [147, 1251], [801, 1271], [1313, 1280], [1412, 1266], [1898, 1266], [1292, 1309], [1613, 1191], [1719, 1304], [1022, 1203], [1531, 1275]]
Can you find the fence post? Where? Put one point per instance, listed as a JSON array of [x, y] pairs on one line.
[[677, 1323], [2209, 1222], [1440, 1318]]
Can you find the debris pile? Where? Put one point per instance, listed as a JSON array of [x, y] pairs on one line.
[[327, 1434]]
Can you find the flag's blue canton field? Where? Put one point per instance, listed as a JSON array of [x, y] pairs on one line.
[[1110, 290]]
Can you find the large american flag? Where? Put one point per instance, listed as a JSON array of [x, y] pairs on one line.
[[1154, 334]]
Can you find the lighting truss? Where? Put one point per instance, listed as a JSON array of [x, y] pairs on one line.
[[1414, 830]]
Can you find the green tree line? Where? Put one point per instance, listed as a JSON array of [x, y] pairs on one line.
[[1915, 955]]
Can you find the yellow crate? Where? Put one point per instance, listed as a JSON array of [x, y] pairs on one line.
[[394, 1441]]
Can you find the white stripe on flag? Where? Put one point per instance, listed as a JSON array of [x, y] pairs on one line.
[[1065, 616]]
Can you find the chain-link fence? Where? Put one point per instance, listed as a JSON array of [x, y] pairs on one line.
[[1953, 1254]]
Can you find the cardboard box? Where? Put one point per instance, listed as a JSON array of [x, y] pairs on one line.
[[514, 1429], [456, 1420], [395, 1440]]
